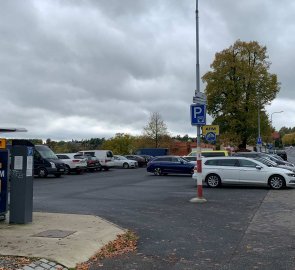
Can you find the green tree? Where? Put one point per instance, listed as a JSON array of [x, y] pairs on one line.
[[121, 144], [237, 87], [156, 130]]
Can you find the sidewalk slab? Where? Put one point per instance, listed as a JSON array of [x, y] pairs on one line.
[[64, 238]]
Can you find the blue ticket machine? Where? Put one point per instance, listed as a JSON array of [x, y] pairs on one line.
[[4, 171]]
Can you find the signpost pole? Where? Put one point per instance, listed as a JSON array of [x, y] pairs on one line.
[[198, 168], [199, 164]]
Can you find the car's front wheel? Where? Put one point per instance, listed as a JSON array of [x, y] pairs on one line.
[[157, 171], [213, 180], [42, 172], [125, 165], [276, 182]]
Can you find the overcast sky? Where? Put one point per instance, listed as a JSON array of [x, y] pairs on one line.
[[91, 68]]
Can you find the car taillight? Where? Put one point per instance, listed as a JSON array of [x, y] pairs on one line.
[[76, 160]]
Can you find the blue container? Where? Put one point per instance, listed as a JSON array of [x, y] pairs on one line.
[[4, 164]]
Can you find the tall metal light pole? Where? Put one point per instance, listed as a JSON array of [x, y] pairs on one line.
[[259, 143], [271, 118], [198, 169]]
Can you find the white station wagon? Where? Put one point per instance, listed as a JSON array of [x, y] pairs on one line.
[[239, 170]]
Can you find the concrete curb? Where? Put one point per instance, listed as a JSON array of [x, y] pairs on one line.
[[65, 238]]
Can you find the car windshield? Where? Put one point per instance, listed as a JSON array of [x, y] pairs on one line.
[[45, 152], [278, 157]]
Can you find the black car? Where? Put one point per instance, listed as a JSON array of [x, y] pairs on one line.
[[140, 160], [281, 153]]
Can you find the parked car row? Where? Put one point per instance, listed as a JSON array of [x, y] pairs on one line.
[[46, 162], [251, 168]]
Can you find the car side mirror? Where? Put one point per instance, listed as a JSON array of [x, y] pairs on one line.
[[258, 167]]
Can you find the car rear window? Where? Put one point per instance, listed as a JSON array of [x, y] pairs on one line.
[[79, 156], [221, 162], [213, 154], [62, 156], [227, 162], [212, 162]]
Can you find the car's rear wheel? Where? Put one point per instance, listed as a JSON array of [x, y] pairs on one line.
[[157, 171], [213, 180], [42, 172], [125, 165], [67, 169], [79, 171], [276, 182]]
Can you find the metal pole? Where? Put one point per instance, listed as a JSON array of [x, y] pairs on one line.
[[197, 50], [198, 168]]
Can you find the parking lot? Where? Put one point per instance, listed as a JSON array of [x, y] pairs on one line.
[[238, 228]]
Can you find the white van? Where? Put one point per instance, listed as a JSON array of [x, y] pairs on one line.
[[105, 157]]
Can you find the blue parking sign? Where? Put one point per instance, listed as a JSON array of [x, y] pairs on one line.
[[198, 114]]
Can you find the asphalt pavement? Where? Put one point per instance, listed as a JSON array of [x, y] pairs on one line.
[[238, 228], [174, 233]]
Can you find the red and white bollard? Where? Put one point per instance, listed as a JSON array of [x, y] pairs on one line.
[[197, 176]]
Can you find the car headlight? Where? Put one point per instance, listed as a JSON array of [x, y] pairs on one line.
[[52, 164], [291, 174]]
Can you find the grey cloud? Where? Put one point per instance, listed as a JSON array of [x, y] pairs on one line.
[[104, 65]]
